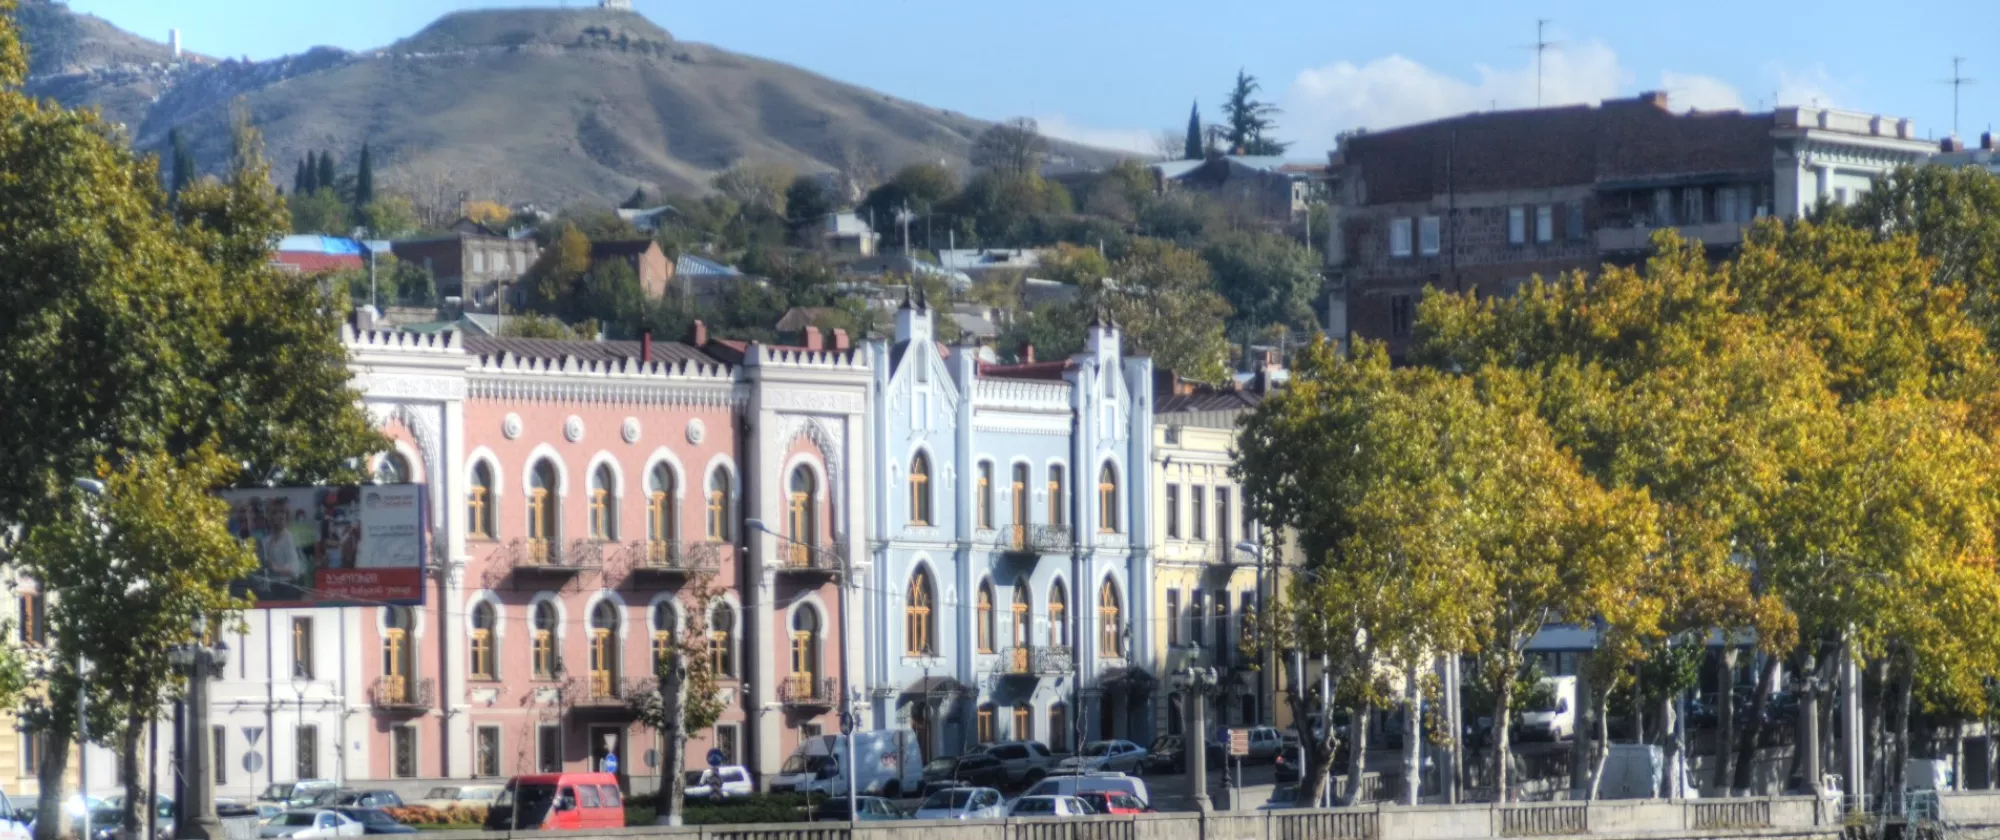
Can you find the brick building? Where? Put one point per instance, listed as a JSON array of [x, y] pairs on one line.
[[1485, 201], [471, 260]]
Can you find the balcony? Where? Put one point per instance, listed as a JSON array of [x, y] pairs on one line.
[[548, 558], [673, 558], [801, 559], [1639, 238], [405, 695], [1033, 540], [1034, 661], [602, 690], [804, 691]]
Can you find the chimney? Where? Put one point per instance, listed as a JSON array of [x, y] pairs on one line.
[[814, 341], [840, 341], [1027, 353], [646, 346], [1655, 98], [698, 334], [1950, 144]]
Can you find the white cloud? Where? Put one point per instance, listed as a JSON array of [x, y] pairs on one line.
[[1395, 90], [1811, 87], [1134, 140]]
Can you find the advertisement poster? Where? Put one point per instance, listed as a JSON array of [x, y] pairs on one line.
[[353, 545]]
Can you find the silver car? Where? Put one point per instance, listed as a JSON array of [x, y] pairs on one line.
[[962, 804], [1096, 756]]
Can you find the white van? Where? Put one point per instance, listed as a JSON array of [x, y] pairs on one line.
[[891, 764], [1091, 783], [1556, 720]]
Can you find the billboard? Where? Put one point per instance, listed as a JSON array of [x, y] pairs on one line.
[[347, 545]]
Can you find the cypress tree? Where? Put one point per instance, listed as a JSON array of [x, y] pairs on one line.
[[299, 179], [1192, 151], [311, 183], [326, 170], [364, 179], [184, 168]]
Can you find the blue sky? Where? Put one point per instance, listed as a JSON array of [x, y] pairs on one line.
[[1117, 72]]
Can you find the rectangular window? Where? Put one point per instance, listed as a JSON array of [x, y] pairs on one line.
[[31, 630], [1024, 723], [1428, 236], [1223, 520], [1573, 226], [1173, 511], [1220, 627], [305, 745], [1057, 502], [1198, 619], [984, 493], [1692, 206], [548, 749], [404, 746], [810, 731], [32, 746], [302, 653], [1173, 617], [1663, 208], [1059, 728], [1399, 237], [1198, 495], [1545, 223], [1402, 315], [219, 752], [986, 725], [727, 741], [1517, 225], [487, 763]]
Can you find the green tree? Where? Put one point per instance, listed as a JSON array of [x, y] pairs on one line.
[[1002, 207], [537, 325], [610, 294], [1015, 147], [183, 162], [686, 698], [364, 184], [761, 186], [1248, 120], [300, 178], [808, 200], [311, 183], [413, 284], [1164, 298], [1054, 330], [920, 187], [552, 281], [1268, 279], [1954, 214], [389, 216], [327, 176], [1193, 150], [319, 211]]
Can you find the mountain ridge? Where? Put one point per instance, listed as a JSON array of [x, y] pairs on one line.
[[544, 105]]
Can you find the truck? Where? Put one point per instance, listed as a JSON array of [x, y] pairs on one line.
[[1554, 720], [890, 760]]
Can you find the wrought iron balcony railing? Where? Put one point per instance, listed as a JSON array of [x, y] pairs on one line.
[[539, 555], [674, 557], [1033, 539], [1035, 661], [818, 559], [403, 694], [808, 691]]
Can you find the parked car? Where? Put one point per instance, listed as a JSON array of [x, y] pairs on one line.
[[970, 770], [312, 824], [375, 821], [1024, 762], [296, 794], [1122, 756], [351, 798], [106, 821], [558, 802], [873, 808], [1072, 784], [1165, 755], [720, 782], [449, 796], [1265, 743], [968, 803], [1049, 806], [1112, 802]]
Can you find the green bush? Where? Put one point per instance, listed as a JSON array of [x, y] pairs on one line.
[[746, 810]]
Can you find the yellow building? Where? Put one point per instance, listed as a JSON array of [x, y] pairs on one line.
[[1205, 584]]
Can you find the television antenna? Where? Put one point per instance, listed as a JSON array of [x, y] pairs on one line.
[[1541, 45], [1958, 81]]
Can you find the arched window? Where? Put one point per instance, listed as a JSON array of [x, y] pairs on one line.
[[919, 621], [660, 524], [603, 505], [483, 623], [920, 489], [722, 640], [1058, 624], [1058, 501], [986, 733], [664, 623], [604, 650], [396, 662], [1023, 618], [1019, 488], [542, 506], [805, 651], [983, 495], [1108, 623], [801, 518], [718, 506], [1059, 728], [392, 468], [545, 641], [479, 503], [1107, 500], [1024, 723], [985, 622]]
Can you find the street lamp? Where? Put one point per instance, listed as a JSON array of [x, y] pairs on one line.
[[1197, 680], [848, 723], [198, 812]]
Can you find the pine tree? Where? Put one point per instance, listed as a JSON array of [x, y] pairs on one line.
[[364, 179], [310, 184], [184, 166], [326, 176], [1193, 148], [1248, 119], [299, 178]]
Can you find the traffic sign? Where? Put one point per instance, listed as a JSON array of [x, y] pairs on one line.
[[253, 762], [1239, 742], [252, 733], [715, 758], [610, 762]]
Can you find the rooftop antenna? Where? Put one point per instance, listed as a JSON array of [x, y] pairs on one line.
[[1958, 81], [1542, 45]]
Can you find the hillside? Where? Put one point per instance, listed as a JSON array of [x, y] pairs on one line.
[[547, 105]]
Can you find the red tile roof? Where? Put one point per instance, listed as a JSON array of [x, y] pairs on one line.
[[1050, 371], [313, 262]]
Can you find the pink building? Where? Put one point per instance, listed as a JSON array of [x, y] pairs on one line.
[[593, 503]]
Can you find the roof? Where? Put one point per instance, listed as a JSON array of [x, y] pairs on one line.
[[601, 351], [969, 259], [1046, 371], [1207, 400], [799, 317], [975, 325], [621, 248], [847, 224], [314, 262], [691, 265], [315, 244]]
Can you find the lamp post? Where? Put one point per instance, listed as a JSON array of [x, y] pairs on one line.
[[1264, 711], [847, 719], [95, 489], [198, 820], [1197, 680]]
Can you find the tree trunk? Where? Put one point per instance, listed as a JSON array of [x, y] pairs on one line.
[[1320, 747], [1603, 703], [1746, 748], [1670, 736], [1357, 751], [1878, 764], [1725, 724], [673, 700], [1413, 738], [1901, 756], [1503, 720], [55, 760], [1806, 751], [1992, 756], [1958, 754], [1582, 740], [130, 816]]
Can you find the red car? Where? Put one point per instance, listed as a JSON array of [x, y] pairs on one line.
[[1107, 802]]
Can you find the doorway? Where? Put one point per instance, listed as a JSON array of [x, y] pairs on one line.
[[605, 741]]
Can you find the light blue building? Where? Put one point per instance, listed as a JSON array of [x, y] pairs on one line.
[[1009, 537]]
